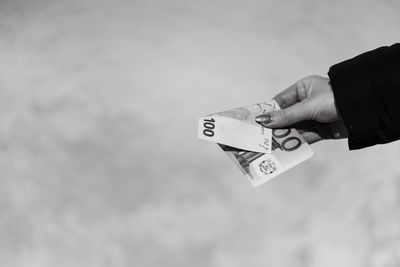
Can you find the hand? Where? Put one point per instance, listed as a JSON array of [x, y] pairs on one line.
[[309, 106]]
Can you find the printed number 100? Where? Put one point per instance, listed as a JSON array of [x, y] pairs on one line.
[[289, 143], [209, 127]]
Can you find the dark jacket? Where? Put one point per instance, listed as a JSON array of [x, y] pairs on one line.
[[367, 96]]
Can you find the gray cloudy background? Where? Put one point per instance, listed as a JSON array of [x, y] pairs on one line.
[[100, 164]]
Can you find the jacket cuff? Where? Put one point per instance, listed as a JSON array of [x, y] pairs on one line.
[[366, 91]]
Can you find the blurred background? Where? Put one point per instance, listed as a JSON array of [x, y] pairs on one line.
[[100, 164]]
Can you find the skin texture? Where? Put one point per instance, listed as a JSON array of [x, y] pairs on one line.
[[309, 106]]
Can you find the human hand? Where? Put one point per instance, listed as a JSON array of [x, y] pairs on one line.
[[309, 106]]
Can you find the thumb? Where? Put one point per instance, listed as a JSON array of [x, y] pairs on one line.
[[285, 117]]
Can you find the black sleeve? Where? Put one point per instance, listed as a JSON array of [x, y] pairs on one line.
[[367, 96]]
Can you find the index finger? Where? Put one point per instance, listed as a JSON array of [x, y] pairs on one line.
[[287, 97]]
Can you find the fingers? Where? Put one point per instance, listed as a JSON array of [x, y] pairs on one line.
[[285, 117], [308, 130], [287, 97], [293, 94], [313, 132], [338, 130], [292, 109], [311, 137]]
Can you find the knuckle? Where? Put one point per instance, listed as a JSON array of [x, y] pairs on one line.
[[284, 115], [281, 101], [301, 90]]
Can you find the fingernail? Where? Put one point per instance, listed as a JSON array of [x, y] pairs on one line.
[[264, 119]]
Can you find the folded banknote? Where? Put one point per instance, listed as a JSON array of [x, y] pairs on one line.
[[260, 153], [238, 128]]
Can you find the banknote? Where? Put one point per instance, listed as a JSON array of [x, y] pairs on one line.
[[288, 150], [260, 153], [237, 128]]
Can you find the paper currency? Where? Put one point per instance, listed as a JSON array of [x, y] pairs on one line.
[[237, 128], [287, 149]]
